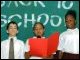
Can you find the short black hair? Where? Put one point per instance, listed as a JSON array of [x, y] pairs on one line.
[[72, 13], [38, 23], [12, 22]]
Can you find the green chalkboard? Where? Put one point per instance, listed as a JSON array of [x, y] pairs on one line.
[[26, 13]]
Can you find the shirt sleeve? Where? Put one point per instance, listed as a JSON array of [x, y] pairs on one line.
[[27, 46], [1, 52], [61, 42]]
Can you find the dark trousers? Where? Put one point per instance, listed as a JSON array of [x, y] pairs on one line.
[[70, 56]]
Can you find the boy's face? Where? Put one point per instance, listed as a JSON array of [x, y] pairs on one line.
[[70, 22], [12, 30], [38, 30]]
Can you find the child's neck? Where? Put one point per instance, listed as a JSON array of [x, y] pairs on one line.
[[38, 36]]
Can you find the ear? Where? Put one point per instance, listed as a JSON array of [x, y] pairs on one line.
[[75, 22], [17, 31], [44, 29], [7, 31]]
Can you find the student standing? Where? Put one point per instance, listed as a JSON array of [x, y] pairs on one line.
[[38, 30], [12, 48], [69, 40]]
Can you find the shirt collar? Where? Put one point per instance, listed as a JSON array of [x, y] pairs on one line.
[[14, 38], [72, 29]]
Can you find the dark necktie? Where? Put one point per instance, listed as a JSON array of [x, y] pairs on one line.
[[11, 49]]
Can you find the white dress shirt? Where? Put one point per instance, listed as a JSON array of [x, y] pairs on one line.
[[28, 49], [69, 41], [18, 48]]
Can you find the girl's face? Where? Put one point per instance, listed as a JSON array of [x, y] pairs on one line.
[[38, 30]]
